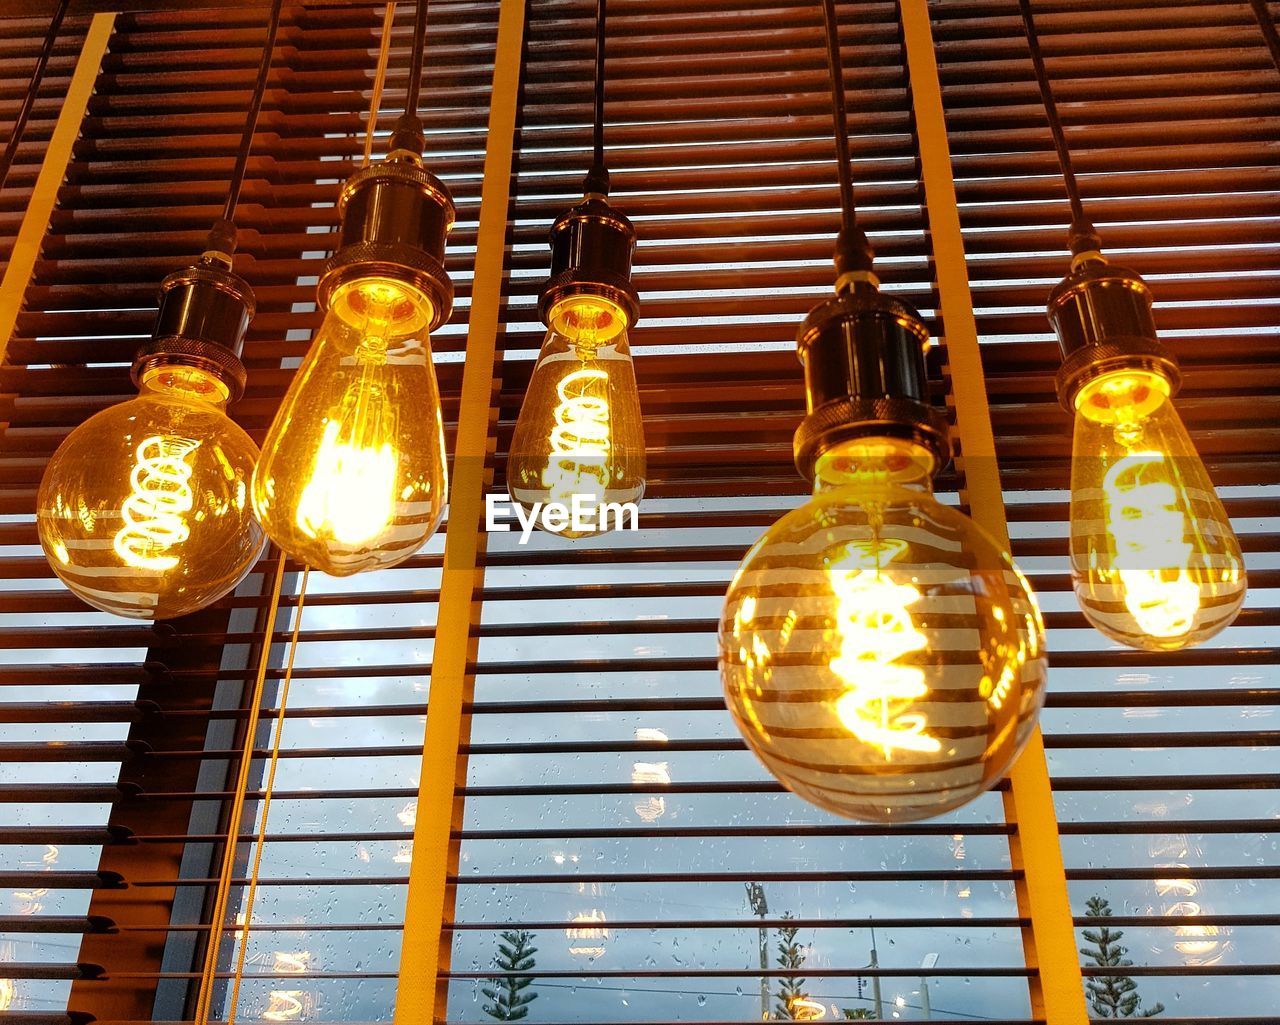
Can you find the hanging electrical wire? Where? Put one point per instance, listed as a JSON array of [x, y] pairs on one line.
[[235, 814], [854, 254], [222, 238], [408, 135], [33, 90], [597, 180], [1082, 236], [245, 915], [379, 81]]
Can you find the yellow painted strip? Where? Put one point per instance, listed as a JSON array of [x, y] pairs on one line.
[[35, 222], [1036, 849], [428, 906]]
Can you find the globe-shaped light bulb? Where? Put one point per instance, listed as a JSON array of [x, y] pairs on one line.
[[144, 509], [879, 651]]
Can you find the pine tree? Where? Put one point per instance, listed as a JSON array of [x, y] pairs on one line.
[[790, 987], [507, 993], [1112, 996]]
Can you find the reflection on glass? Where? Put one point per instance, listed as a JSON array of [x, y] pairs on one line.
[[289, 1004], [804, 1009], [650, 807], [588, 934], [1199, 943]]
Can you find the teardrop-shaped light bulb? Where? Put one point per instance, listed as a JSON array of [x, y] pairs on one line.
[[352, 475], [1155, 562], [577, 454]]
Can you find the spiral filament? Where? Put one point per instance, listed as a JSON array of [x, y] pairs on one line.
[[1152, 554], [580, 437], [155, 513], [876, 630]]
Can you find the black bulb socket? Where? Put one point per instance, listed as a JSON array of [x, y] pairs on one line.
[[592, 246], [204, 313], [865, 377], [396, 219], [1102, 316]]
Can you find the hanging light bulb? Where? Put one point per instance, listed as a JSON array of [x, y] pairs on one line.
[[144, 509], [352, 475], [1154, 560], [879, 651], [579, 438]]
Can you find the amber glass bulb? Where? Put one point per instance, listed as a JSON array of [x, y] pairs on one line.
[[144, 509], [1155, 562], [879, 652], [352, 475], [580, 432]]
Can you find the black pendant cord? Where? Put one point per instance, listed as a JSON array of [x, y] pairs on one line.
[[222, 237], [29, 100], [854, 254], [1262, 11], [408, 135], [597, 180], [1082, 236]]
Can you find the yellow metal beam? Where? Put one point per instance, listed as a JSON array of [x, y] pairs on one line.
[[420, 997], [35, 222], [1057, 993]]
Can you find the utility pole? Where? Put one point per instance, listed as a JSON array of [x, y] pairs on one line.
[[760, 906], [875, 978], [927, 964]]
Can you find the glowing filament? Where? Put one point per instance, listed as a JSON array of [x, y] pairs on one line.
[[876, 631], [580, 437], [350, 494], [1152, 555], [155, 512]]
